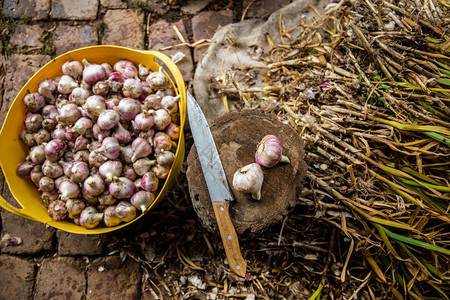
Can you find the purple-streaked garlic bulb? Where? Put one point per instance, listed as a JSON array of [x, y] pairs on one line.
[[82, 125], [54, 150], [42, 136], [158, 80], [129, 172], [27, 138], [68, 114], [108, 68], [129, 108], [126, 152], [59, 133], [46, 184], [36, 174], [165, 158], [60, 180], [79, 171], [57, 210], [69, 189], [269, 152], [79, 96], [67, 165], [37, 154], [80, 143], [49, 124], [108, 119], [170, 103], [24, 169], [74, 207], [34, 101], [92, 72], [99, 133], [100, 88], [110, 170], [93, 185], [115, 81], [249, 179], [50, 112], [81, 155], [162, 142], [152, 102], [48, 88], [173, 131], [113, 101], [141, 148], [90, 217], [122, 135], [73, 69], [143, 121], [96, 159], [121, 188], [109, 216], [143, 72], [66, 85], [132, 88], [49, 197], [94, 105], [110, 148], [142, 199], [149, 182], [106, 198], [162, 119], [161, 171], [121, 65], [129, 71], [143, 165], [125, 211], [33, 122]]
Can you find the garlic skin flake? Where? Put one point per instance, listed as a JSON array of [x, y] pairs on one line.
[[249, 179]]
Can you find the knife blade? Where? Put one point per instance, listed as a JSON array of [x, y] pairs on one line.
[[217, 184]]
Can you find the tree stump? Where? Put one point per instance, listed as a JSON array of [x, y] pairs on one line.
[[236, 136]]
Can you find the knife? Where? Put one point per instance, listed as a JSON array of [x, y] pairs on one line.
[[217, 184]]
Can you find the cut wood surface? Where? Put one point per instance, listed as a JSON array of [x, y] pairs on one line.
[[236, 136]]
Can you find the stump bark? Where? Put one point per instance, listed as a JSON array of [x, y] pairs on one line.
[[236, 136]]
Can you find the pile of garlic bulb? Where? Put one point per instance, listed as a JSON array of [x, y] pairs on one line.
[[101, 137]]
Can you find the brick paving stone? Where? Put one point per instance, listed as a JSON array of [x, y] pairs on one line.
[[72, 37], [16, 278], [162, 34], [160, 7], [79, 244], [36, 237], [204, 26], [113, 4], [74, 10], [20, 68], [124, 27], [27, 36], [262, 8], [26, 9], [60, 278], [110, 279]]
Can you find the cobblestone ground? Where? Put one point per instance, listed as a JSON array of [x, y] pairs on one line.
[[52, 264]]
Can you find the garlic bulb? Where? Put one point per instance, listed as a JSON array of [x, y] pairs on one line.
[[249, 179], [269, 152]]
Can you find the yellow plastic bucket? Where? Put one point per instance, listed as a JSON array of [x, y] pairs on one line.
[[13, 152]]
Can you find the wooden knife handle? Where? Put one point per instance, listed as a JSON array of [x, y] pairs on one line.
[[229, 238]]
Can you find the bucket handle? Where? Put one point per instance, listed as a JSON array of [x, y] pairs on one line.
[[14, 210], [179, 81]]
